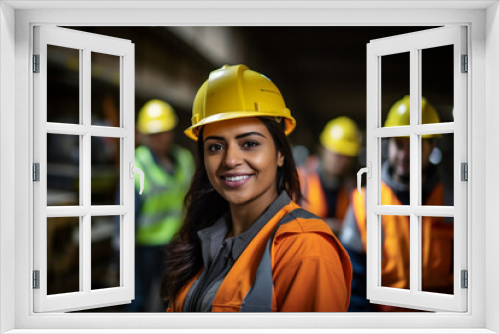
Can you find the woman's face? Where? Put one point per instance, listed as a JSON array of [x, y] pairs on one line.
[[241, 161]]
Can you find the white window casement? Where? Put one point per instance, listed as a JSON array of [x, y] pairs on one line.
[[479, 304], [83, 212], [416, 46]]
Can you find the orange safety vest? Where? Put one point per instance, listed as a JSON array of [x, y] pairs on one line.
[[314, 198], [310, 269], [437, 243]]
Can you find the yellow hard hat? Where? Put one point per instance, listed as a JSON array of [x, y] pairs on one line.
[[399, 114], [156, 116], [235, 92], [341, 135]]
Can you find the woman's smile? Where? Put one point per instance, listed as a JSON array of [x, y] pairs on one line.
[[236, 180]]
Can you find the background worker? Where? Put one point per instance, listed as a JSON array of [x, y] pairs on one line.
[[325, 183], [437, 234], [168, 169]]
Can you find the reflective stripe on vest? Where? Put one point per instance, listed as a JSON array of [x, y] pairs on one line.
[[260, 296], [161, 212]]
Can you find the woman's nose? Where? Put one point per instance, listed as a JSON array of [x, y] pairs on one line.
[[233, 156]]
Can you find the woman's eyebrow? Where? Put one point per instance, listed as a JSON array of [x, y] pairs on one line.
[[246, 134], [213, 138], [243, 135]]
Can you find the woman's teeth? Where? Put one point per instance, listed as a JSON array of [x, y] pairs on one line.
[[236, 178]]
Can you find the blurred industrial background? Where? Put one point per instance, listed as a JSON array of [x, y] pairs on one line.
[[321, 72]]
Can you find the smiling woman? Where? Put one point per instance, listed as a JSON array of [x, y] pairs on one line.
[[245, 244]]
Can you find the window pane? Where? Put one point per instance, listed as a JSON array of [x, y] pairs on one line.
[[395, 188], [437, 254], [105, 91], [105, 172], [437, 169], [63, 170], [395, 85], [105, 252], [63, 85], [395, 244], [63, 255], [437, 83]]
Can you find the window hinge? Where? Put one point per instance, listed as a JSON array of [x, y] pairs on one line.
[[36, 172], [36, 63], [36, 279], [465, 64], [464, 172], [464, 279]]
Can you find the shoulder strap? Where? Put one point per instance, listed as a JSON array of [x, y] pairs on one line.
[[260, 296]]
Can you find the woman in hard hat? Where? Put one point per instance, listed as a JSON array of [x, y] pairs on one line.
[[245, 244]]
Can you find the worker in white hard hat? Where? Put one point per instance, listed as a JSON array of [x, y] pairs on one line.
[[168, 169], [325, 183]]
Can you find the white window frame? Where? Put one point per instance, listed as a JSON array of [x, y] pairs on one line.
[[414, 44], [85, 44], [16, 21]]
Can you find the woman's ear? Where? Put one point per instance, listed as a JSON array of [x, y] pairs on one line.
[[281, 159]]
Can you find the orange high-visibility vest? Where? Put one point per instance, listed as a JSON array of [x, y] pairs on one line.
[[314, 198], [311, 271], [437, 243]]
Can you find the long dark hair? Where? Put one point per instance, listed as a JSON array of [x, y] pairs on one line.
[[204, 206]]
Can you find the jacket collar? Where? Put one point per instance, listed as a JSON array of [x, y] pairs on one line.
[[213, 236]]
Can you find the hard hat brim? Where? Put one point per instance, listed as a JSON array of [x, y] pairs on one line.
[[192, 132]]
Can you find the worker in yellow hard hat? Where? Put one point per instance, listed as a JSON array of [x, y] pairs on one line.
[[325, 182], [245, 244], [168, 169], [437, 232]]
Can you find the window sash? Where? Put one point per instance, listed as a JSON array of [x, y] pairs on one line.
[[413, 43], [86, 43]]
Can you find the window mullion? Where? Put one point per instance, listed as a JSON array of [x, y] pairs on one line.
[[415, 102], [86, 113], [85, 167]]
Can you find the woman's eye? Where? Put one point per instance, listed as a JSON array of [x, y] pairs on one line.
[[250, 144], [215, 147]]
